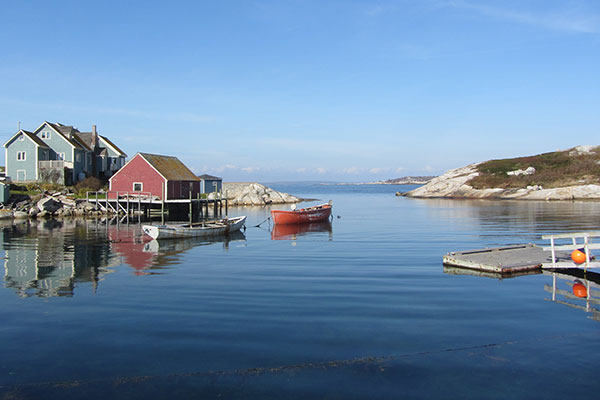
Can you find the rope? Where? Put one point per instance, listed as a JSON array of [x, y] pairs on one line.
[[258, 226]]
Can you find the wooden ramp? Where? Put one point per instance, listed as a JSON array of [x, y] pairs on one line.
[[503, 260]]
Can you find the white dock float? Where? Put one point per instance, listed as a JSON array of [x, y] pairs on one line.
[[501, 260]]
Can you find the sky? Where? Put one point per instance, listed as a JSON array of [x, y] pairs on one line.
[[303, 90]]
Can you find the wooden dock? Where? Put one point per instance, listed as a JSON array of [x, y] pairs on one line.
[[529, 257], [136, 203], [502, 260]]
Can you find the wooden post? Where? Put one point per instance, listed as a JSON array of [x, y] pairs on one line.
[[162, 204], [191, 210]]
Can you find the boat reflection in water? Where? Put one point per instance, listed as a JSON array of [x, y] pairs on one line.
[[162, 251], [563, 290], [294, 231], [149, 256]]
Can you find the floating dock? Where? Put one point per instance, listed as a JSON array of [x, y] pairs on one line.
[[528, 257], [501, 260]]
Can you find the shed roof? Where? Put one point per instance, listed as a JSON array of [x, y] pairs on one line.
[[207, 177], [170, 167]]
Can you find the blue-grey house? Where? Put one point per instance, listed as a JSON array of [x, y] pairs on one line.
[[210, 184], [61, 154]]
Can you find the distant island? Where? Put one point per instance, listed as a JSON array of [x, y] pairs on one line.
[[406, 180], [572, 174]]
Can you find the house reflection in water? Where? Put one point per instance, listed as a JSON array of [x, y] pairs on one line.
[[47, 258]]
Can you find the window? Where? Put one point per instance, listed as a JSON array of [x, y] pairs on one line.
[[113, 161], [78, 157], [22, 137], [60, 156], [21, 155], [138, 186], [45, 135]]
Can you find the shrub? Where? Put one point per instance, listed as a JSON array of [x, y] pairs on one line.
[[90, 184]]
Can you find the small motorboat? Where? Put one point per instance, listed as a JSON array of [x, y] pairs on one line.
[[201, 229], [303, 215]]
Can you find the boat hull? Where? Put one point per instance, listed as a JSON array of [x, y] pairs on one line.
[[302, 216], [182, 231]]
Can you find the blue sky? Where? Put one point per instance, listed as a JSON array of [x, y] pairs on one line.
[[308, 90]]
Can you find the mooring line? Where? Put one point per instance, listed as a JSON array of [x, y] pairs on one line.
[[258, 226], [278, 369]]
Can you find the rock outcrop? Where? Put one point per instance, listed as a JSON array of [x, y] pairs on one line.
[[254, 194], [453, 184]]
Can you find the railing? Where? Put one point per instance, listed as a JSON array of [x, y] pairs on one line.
[[585, 246], [51, 164]]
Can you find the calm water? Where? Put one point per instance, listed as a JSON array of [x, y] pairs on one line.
[[361, 308]]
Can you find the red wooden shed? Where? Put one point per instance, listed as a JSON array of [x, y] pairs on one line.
[[156, 175]]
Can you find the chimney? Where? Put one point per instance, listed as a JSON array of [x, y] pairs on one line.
[[94, 137]]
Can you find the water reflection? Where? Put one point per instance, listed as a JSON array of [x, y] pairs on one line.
[[50, 258], [526, 219], [293, 231], [562, 289], [160, 253]]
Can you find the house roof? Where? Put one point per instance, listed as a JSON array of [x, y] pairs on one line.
[[170, 167], [67, 132], [207, 177], [30, 135], [87, 138], [111, 144]]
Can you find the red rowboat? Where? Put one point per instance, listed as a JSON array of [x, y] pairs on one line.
[[303, 215]]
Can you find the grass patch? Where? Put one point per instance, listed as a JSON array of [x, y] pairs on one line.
[[552, 170]]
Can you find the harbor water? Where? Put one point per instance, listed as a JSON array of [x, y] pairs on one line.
[[358, 308]]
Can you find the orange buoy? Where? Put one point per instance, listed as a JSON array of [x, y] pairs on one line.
[[578, 256], [579, 290]]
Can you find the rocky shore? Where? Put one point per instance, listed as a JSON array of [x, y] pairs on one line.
[[48, 205], [63, 204], [453, 184], [254, 194]]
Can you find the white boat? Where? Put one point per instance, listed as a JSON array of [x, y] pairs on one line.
[[213, 228]]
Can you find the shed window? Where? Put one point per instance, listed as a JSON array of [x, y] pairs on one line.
[[22, 137], [45, 135], [21, 155], [138, 186]]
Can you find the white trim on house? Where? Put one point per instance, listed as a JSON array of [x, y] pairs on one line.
[[105, 142], [13, 137], [57, 132], [133, 158]]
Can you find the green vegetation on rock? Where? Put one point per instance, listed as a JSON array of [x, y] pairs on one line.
[[552, 170]]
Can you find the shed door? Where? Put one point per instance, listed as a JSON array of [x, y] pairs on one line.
[[21, 176], [185, 190]]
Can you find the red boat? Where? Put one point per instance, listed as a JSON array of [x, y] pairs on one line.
[[303, 215]]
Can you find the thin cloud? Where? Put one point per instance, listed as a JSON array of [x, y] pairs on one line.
[[573, 19], [168, 116]]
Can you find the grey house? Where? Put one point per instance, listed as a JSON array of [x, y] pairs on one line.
[[60, 154], [210, 184]]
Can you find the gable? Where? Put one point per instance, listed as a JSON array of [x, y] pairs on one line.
[[29, 135]]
